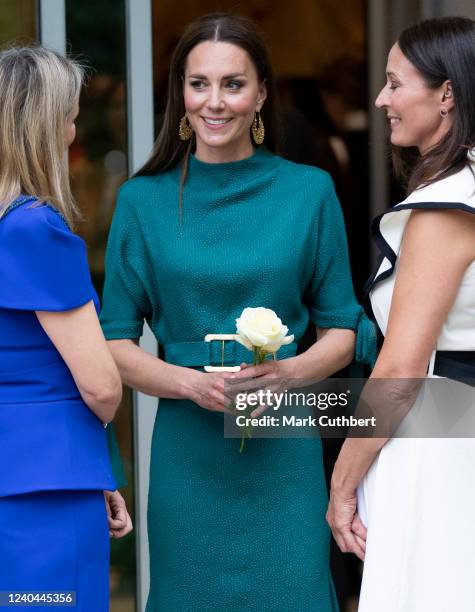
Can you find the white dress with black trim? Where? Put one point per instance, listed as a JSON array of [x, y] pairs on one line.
[[418, 498]]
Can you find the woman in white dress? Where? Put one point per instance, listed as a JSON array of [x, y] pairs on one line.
[[405, 505]]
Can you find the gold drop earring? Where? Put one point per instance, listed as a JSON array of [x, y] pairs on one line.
[[257, 129], [185, 131]]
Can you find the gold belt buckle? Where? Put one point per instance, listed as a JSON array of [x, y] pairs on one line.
[[221, 338]]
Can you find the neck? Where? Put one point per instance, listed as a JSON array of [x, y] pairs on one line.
[[436, 138], [223, 155]]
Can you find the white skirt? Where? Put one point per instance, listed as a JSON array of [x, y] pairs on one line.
[[418, 502]]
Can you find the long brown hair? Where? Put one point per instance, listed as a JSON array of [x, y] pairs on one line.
[[169, 150], [38, 90], [441, 49]]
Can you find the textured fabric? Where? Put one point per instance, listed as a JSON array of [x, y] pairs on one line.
[[417, 497], [56, 541], [229, 531], [49, 439]]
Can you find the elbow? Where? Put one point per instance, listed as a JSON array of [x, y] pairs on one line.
[[348, 354], [403, 369], [348, 349], [105, 400], [402, 364], [341, 343]]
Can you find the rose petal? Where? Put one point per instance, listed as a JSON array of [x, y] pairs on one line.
[[244, 341]]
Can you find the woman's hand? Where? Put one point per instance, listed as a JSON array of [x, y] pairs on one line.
[[268, 376], [270, 369], [207, 389], [118, 518], [347, 528]]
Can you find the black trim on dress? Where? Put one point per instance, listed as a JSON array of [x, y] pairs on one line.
[[386, 251], [456, 365]]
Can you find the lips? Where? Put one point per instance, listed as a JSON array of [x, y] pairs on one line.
[[215, 122]]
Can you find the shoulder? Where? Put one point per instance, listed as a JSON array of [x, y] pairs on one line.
[[134, 189], [142, 195], [450, 229], [454, 191], [310, 174], [37, 232], [43, 264], [33, 220]]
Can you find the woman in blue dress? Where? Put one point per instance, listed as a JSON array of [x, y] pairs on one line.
[[212, 224], [58, 382]]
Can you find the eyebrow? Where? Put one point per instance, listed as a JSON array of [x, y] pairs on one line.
[[226, 77], [391, 74]]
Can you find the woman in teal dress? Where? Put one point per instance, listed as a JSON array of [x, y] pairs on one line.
[[214, 223]]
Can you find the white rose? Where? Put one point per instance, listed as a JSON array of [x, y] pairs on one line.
[[261, 327]]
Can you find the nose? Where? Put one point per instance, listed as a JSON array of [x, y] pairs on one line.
[[215, 100], [382, 99]]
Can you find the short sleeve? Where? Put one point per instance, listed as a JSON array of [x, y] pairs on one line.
[[43, 265], [125, 303], [333, 302]]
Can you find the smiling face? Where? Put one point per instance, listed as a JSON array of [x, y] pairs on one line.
[[221, 93], [413, 109]]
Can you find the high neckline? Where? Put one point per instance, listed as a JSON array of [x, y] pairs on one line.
[[261, 156]]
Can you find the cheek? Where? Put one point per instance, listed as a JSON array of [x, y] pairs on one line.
[[192, 101], [419, 108], [244, 104]]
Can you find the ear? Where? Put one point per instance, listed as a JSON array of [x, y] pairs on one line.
[[261, 96], [447, 98]]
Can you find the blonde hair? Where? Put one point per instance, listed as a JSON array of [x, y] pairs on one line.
[[38, 90]]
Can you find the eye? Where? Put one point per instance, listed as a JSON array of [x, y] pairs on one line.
[[393, 86], [197, 84], [234, 85]]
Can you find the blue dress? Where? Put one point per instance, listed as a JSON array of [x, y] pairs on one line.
[[230, 531], [54, 460]]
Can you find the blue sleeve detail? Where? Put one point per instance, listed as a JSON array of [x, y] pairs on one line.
[[43, 265]]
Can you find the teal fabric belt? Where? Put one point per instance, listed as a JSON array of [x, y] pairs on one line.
[[199, 354]]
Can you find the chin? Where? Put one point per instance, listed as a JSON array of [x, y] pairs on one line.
[[217, 143], [397, 141]]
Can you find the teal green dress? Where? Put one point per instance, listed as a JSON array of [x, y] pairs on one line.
[[228, 531]]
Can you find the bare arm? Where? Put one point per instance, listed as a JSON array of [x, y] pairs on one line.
[[333, 351], [155, 377], [437, 249], [78, 337]]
